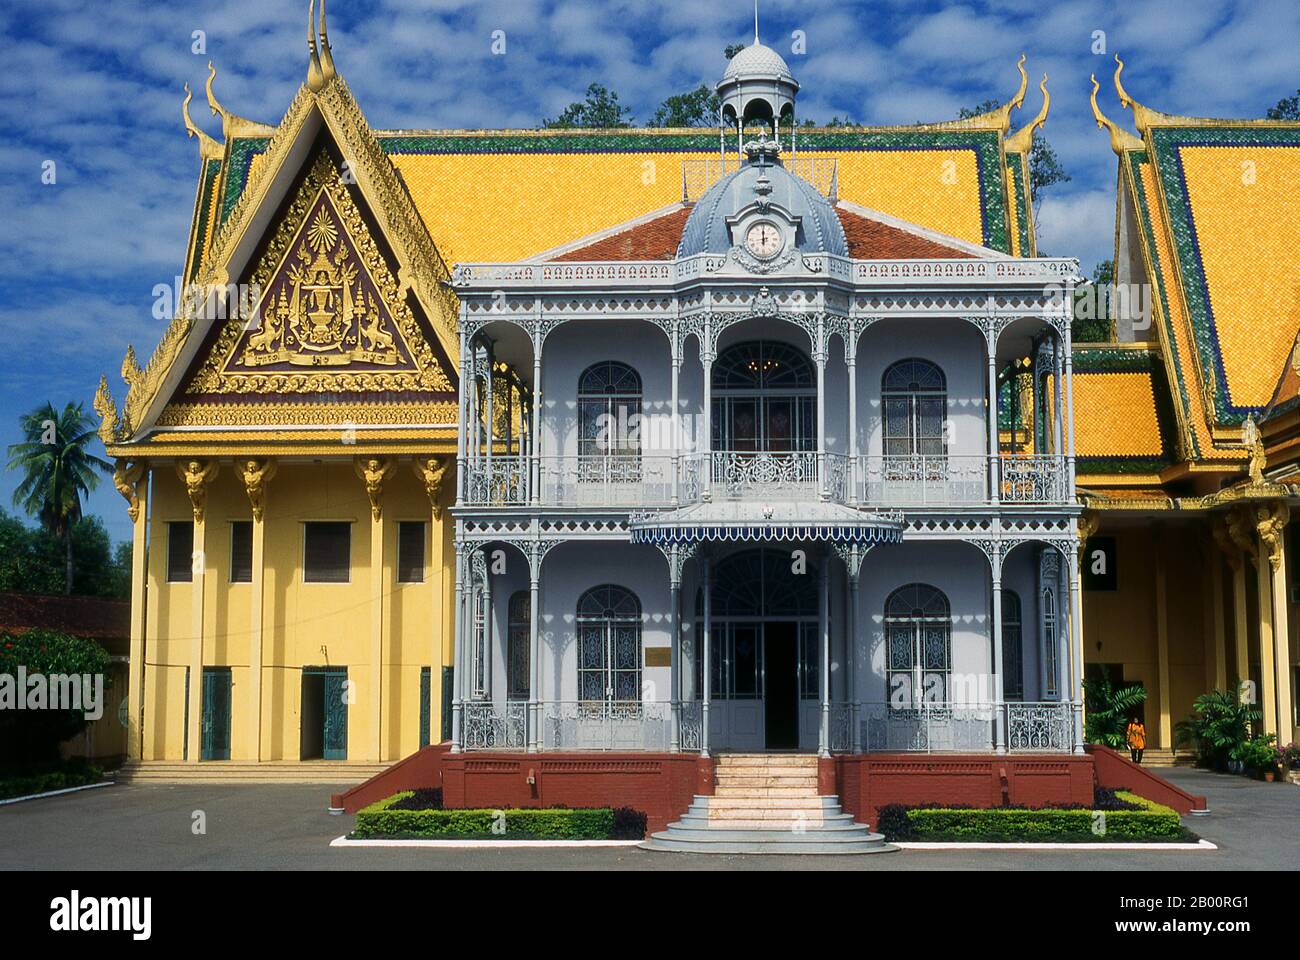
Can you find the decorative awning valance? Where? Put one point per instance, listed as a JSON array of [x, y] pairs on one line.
[[747, 521]]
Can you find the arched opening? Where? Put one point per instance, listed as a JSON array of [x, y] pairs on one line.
[[764, 399], [1013, 657], [609, 423], [609, 645], [518, 643], [918, 637], [914, 396]]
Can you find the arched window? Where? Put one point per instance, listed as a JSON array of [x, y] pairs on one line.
[[914, 395], [609, 411], [1013, 661], [765, 398], [918, 637], [518, 644], [1049, 641], [609, 645]]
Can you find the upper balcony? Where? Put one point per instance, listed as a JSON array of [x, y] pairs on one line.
[[634, 482]]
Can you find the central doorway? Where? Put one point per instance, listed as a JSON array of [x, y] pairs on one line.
[[763, 681], [781, 697]]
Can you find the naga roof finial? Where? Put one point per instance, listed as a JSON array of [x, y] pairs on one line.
[[1142, 116], [1022, 141], [207, 146], [315, 75], [1120, 139], [217, 109], [326, 55]]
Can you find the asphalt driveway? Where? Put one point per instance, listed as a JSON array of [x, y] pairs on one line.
[[270, 827]]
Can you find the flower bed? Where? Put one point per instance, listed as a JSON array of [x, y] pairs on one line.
[[403, 817], [1127, 818]]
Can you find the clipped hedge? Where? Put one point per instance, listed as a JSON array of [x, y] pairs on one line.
[[24, 786], [1146, 822], [384, 820]]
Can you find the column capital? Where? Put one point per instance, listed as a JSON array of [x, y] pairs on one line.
[[197, 475], [257, 475], [373, 471], [1270, 522]]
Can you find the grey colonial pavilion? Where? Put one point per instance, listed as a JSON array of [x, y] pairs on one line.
[[755, 497]]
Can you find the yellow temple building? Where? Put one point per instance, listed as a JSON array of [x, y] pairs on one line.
[[289, 450]]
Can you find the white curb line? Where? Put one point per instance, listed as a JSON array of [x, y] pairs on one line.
[[56, 793], [482, 844], [1201, 845]]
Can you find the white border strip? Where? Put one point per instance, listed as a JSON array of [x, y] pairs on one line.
[[56, 793], [482, 844], [1201, 845]]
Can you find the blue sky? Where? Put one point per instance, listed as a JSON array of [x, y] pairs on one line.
[[96, 88]]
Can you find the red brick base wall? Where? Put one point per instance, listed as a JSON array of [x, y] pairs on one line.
[[865, 783], [660, 785]]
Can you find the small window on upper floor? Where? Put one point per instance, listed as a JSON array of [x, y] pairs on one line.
[[180, 551], [410, 552], [327, 552], [241, 551], [914, 395]]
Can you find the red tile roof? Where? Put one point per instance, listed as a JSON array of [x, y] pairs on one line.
[[79, 616], [658, 239], [653, 240], [872, 240]]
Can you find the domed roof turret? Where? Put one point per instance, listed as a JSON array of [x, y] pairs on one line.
[[758, 61], [764, 188]]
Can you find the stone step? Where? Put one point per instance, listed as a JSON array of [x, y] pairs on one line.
[[776, 777], [222, 771], [766, 803], [729, 760], [766, 842], [780, 819], [725, 791], [836, 823]]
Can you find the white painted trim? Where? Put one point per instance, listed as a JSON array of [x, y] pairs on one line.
[[56, 793], [483, 844], [1200, 845], [608, 232], [984, 253]]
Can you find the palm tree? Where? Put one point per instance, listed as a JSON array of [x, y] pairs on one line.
[[1109, 709], [58, 470]]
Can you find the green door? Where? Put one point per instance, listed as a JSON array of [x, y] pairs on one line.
[[216, 713], [336, 715]]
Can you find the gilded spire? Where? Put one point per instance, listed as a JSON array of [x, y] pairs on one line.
[[232, 125], [315, 75], [326, 56], [1144, 117], [1022, 141], [1120, 139], [208, 148]]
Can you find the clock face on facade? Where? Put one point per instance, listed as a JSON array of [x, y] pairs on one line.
[[764, 240]]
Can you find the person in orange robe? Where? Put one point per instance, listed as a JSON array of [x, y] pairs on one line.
[[1137, 739]]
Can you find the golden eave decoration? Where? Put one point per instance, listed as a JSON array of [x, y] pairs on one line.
[[997, 119], [1120, 139]]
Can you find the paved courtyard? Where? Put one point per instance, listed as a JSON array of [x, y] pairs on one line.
[[268, 827]]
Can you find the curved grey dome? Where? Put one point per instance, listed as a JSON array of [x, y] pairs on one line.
[[820, 230], [758, 60]]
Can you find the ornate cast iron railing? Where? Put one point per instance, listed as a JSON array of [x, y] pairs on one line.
[[1040, 727], [606, 725], [492, 726], [1033, 480], [641, 481]]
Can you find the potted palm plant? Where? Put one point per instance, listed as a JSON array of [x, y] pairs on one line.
[[1260, 756], [1108, 710], [1220, 725]]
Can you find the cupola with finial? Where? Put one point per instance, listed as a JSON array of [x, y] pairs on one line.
[[757, 87]]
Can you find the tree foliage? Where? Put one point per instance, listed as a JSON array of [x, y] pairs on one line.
[[1288, 108], [33, 560], [600, 110], [1045, 167], [695, 108], [30, 737], [58, 471]]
